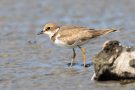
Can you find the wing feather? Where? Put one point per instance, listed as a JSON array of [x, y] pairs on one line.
[[72, 35]]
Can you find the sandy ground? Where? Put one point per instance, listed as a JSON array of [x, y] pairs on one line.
[[31, 62]]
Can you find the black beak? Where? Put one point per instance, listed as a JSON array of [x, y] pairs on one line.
[[40, 33]]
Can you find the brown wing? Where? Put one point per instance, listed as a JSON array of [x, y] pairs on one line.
[[72, 34]]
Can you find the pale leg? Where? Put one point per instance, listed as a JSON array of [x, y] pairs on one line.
[[84, 55]]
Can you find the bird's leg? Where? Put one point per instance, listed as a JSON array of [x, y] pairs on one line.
[[73, 58], [84, 55]]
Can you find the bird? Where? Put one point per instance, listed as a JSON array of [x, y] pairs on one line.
[[72, 37]]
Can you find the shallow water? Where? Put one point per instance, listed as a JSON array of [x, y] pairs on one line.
[[31, 62]]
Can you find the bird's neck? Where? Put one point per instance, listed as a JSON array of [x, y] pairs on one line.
[[53, 35]]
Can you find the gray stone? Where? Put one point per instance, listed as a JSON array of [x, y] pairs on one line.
[[114, 62]]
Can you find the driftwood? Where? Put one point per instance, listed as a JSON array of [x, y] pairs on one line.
[[114, 62]]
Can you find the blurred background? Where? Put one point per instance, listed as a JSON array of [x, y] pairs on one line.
[[31, 62]]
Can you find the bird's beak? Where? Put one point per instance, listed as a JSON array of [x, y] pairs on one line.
[[40, 33]]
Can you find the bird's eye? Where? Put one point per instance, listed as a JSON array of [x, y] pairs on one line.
[[48, 28]]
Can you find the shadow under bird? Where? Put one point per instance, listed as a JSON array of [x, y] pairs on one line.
[[72, 37]]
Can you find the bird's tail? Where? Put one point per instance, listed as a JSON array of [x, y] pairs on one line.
[[106, 31], [103, 32]]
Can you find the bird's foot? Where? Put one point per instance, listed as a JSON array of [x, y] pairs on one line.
[[71, 64], [86, 65]]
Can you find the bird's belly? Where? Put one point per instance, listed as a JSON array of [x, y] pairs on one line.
[[63, 44]]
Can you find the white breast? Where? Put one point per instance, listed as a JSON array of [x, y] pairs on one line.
[[59, 42]]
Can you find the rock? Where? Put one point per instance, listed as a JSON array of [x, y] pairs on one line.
[[114, 62]]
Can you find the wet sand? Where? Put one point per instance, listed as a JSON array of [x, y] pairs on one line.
[[31, 62]]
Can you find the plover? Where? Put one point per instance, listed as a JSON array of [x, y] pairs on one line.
[[72, 37]]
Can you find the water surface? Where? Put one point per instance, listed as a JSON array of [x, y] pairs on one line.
[[31, 62]]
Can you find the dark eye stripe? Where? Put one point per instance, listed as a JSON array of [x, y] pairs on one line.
[[48, 28]]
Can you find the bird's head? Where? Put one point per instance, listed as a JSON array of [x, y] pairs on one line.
[[49, 29]]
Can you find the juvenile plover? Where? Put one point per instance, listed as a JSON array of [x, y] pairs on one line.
[[72, 36]]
